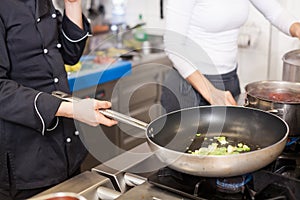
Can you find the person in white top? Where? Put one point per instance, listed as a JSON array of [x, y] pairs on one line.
[[201, 41]]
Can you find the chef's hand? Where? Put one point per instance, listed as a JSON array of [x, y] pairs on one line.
[[220, 97], [86, 111], [73, 10], [213, 95], [295, 30]]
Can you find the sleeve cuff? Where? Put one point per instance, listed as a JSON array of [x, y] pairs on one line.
[[46, 106]]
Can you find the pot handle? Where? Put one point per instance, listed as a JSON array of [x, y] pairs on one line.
[[106, 112], [276, 111], [246, 102], [273, 111]]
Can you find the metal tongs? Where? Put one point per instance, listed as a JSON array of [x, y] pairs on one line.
[[106, 112]]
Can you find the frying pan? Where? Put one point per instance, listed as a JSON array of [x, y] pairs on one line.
[[169, 136]]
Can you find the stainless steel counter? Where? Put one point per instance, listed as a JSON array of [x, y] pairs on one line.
[[84, 184], [114, 179]]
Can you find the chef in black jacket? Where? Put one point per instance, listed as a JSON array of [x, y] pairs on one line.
[[39, 146]]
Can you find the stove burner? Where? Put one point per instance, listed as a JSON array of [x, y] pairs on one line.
[[278, 181], [195, 187], [292, 140], [232, 184], [292, 147]]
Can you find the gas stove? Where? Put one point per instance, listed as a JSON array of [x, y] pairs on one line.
[[138, 174], [279, 180], [261, 184]]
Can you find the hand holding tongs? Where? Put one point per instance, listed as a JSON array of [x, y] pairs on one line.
[[106, 112]]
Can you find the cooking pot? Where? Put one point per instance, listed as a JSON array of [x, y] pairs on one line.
[[278, 97], [169, 136], [291, 66]]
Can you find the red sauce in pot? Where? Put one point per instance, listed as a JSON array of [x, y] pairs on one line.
[[285, 97]]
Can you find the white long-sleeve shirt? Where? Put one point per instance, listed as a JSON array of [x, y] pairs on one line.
[[202, 34]]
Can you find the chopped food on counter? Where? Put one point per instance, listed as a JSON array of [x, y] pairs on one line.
[[109, 55], [102, 59], [132, 44], [114, 52], [100, 29]]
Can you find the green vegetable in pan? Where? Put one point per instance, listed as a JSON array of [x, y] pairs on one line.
[[220, 146], [221, 139]]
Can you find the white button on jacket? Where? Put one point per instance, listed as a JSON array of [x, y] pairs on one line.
[[56, 80]]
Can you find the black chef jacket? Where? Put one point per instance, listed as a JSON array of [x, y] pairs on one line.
[[36, 148]]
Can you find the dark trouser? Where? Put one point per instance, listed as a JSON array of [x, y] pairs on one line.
[[16, 194], [177, 93]]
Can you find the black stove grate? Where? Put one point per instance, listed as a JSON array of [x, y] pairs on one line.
[[195, 187], [264, 185], [271, 186]]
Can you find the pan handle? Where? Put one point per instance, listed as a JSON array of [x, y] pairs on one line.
[[124, 118], [106, 112]]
